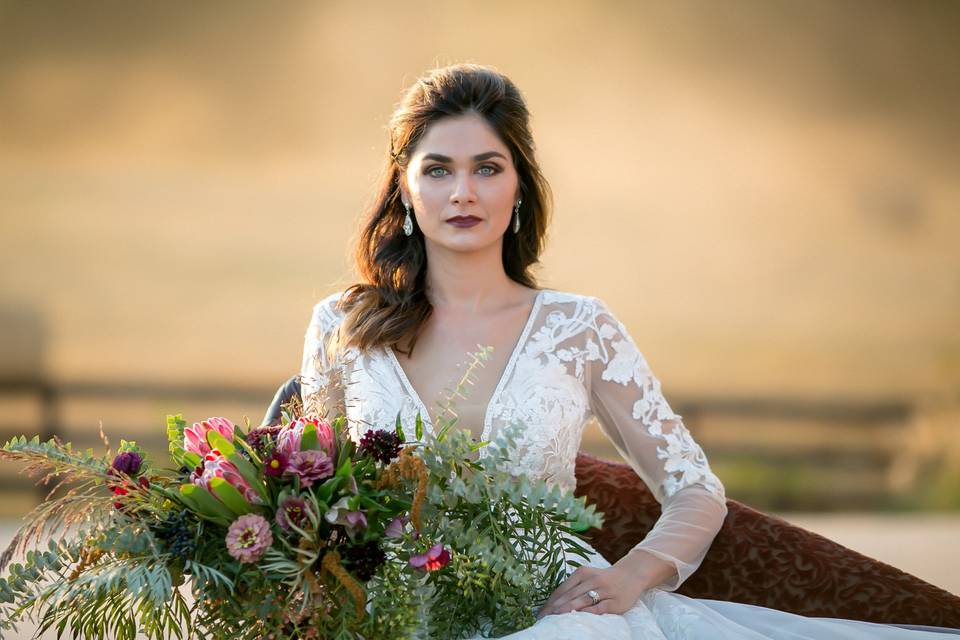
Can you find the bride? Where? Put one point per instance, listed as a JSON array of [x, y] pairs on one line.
[[445, 257]]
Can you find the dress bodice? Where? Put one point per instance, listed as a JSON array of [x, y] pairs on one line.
[[573, 360]]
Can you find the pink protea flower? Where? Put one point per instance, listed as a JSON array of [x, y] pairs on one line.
[[310, 466], [435, 558], [293, 510], [195, 436], [249, 537], [214, 465], [291, 435]]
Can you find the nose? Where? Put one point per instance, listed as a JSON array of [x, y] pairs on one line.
[[463, 191]]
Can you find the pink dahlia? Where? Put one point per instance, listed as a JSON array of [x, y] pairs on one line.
[[435, 558], [291, 435], [310, 466], [195, 436], [214, 465], [248, 538]]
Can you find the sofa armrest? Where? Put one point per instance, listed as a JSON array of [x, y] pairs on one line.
[[764, 560]]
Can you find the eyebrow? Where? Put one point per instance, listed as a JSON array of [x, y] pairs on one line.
[[477, 158]]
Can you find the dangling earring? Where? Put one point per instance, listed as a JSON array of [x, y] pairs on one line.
[[407, 221], [516, 217]]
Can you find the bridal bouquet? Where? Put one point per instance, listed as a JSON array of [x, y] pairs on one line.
[[292, 531]]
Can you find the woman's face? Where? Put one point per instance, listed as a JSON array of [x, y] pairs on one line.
[[461, 168]]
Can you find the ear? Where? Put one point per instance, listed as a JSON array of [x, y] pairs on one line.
[[404, 191]]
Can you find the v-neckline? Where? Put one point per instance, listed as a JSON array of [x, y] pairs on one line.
[[487, 424]]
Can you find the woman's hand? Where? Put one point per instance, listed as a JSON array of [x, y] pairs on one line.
[[618, 587]]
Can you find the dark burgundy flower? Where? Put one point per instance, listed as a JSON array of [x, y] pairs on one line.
[[127, 462], [275, 464], [380, 445], [364, 559], [262, 439]]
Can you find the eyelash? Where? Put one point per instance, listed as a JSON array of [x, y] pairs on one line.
[[429, 170]]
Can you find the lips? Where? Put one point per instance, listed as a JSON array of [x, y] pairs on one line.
[[463, 221]]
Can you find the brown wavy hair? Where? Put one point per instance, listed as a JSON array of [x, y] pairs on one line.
[[390, 306]]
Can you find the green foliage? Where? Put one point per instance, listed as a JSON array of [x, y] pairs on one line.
[[175, 426], [511, 539], [202, 501], [82, 506], [116, 571], [126, 588], [131, 446], [56, 457]]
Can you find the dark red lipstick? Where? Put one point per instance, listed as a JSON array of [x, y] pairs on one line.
[[463, 221]]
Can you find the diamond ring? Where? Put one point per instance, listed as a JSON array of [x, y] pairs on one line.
[[594, 596]]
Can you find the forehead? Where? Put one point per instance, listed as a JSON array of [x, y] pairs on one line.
[[460, 136]]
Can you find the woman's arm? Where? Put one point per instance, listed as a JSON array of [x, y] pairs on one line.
[[627, 400]]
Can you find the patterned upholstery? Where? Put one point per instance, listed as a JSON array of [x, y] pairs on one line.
[[763, 560], [756, 558]]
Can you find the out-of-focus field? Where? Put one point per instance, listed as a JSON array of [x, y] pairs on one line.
[[765, 193]]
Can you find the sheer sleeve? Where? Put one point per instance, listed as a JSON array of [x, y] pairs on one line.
[[626, 398], [320, 378]]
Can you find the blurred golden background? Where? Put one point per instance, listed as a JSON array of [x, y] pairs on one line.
[[766, 193]]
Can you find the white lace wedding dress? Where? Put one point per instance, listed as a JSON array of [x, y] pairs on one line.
[[574, 360]]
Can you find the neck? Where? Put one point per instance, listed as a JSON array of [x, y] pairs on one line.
[[468, 282]]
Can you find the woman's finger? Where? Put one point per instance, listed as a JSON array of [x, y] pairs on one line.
[[562, 591], [604, 606], [574, 581], [576, 599]]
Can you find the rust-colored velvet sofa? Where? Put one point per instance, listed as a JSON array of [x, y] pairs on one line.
[[755, 558]]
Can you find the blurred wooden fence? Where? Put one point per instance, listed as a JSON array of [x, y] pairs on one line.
[[773, 453]]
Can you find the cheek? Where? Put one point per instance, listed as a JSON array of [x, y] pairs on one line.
[[501, 200], [431, 194]]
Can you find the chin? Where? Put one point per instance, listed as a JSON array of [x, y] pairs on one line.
[[467, 245]]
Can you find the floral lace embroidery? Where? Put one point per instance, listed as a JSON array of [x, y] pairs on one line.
[[546, 389], [684, 459]]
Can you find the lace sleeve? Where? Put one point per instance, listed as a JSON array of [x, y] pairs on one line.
[[626, 398], [320, 385]]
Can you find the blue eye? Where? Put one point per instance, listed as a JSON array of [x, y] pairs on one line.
[[437, 171]]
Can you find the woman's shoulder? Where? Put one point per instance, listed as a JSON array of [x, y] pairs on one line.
[[559, 298], [327, 312], [584, 310]]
